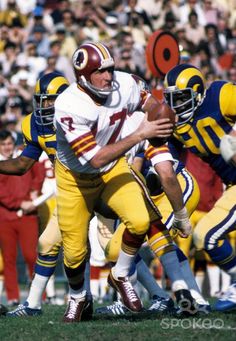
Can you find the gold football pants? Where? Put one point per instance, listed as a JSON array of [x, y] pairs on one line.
[[217, 223], [110, 239], [77, 195]]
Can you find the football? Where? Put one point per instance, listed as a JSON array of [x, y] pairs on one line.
[[163, 110]]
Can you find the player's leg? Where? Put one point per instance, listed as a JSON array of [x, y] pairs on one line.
[[110, 239], [210, 235], [125, 198], [191, 195], [75, 201], [49, 236]]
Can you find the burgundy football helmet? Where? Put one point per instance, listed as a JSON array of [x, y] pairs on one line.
[[88, 58]]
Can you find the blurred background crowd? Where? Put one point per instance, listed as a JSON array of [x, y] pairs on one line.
[[38, 37]]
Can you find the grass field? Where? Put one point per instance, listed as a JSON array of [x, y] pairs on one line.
[[136, 327]]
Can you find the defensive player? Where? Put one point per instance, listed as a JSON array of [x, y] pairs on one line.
[[205, 116], [89, 117], [39, 136]]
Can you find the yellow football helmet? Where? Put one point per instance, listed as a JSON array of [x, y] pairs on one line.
[[184, 89], [47, 88]]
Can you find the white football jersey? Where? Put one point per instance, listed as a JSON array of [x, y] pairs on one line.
[[83, 126]]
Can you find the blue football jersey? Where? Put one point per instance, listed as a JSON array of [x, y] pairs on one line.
[[211, 121], [38, 139]]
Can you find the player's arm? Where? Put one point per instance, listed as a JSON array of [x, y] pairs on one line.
[[17, 166], [172, 189], [162, 161], [159, 128]]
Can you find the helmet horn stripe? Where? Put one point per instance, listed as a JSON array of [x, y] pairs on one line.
[[55, 84], [186, 75], [103, 50]]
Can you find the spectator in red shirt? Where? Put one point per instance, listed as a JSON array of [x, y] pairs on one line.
[[18, 217]]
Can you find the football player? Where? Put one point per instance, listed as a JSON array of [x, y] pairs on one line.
[[39, 136], [90, 166], [205, 116], [173, 202]]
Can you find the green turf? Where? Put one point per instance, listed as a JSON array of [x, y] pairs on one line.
[[137, 327]]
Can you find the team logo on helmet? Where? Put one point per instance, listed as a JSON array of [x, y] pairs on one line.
[[80, 59]]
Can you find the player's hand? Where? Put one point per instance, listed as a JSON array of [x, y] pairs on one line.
[[181, 223], [162, 128], [228, 148]]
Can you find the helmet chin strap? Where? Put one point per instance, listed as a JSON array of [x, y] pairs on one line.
[[101, 93]]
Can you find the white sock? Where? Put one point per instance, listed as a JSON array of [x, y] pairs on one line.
[[123, 264], [77, 294], [37, 288], [213, 272], [198, 297], [225, 281], [50, 288], [199, 277], [178, 285]]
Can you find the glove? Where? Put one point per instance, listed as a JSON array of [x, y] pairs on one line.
[[228, 147], [181, 223]]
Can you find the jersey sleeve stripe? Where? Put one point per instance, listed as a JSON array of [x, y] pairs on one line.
[[151, 151], [81, 139], [80, 152]]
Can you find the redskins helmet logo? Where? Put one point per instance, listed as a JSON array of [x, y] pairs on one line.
[[80, 59]]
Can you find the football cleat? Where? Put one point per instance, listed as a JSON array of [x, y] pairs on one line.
[[204, 309], [117, 308], [228, 301], [162, 305], [128, 295], [23, 311], [186, 303], [75, 308]]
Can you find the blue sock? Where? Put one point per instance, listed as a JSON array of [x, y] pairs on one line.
[[45, 265], [223, 256], [148, 281], [171, 266], [187, 271]]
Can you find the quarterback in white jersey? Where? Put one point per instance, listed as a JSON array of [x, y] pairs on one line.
[[90, 126], [91, 166]]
